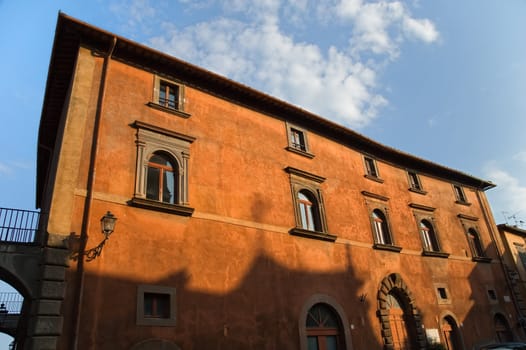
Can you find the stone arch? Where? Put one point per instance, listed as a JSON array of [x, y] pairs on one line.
[[455, 339], [395, 285], [155, 344]]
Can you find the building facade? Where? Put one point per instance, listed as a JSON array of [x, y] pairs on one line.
[[244, 222]]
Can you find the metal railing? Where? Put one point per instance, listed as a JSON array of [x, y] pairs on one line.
[[18, 226], [11, 302]]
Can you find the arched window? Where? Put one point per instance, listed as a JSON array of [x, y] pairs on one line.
[[309, 212], [429, 238], [324, 329], [161, 179], [475, 243], [380, 227]]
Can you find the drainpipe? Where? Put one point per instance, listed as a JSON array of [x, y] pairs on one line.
[[79, 280]]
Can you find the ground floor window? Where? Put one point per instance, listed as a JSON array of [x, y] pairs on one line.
[[324, 331]]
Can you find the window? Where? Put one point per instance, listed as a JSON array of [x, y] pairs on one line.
[[161, 180], [414, 182], [380, 227], [168, 96], [156, 306], [459, 194], [297, 141], [324, 330], [429, 238], [442, 293], [492, 295], [475, 244], [371, 170], [309, 211]]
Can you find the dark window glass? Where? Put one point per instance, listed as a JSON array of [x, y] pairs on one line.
[[474, 241], [156, 305], [381, 229], [459, 193], [169, 95], [442, 292], [297, 139], [414, 181], [370, 167]]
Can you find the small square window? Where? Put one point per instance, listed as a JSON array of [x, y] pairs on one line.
[[297, 141], [155, 306], [492, 295], [168, 95], [442, 293]]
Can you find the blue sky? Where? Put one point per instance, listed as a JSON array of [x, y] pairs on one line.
[[444, 80]]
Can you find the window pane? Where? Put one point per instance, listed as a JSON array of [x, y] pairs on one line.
[[332, 342], [169, 186], [152, 183], [157, 305], [312, 343]]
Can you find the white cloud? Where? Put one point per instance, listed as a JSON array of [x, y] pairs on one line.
[[509, 195], [257, 43], [5, 169]]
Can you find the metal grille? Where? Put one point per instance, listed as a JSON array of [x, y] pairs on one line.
[[11, 302], [18, 225]]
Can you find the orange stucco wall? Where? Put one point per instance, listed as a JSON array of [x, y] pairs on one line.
[[241, 278]]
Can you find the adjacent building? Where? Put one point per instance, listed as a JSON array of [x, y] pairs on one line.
[[244, 222]]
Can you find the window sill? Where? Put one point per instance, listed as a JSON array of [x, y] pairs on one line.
[[312, 234], [463, 203], [482, 259], [169, 110], [389, 247], [416, 190], [374, 178], [435, 254], [164, 207], [300, 152]]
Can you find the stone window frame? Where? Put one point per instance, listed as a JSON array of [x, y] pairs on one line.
[[415, 183], [151, 139], [441, 300], [303, 149], [470, 223], [301, 180], [371, 168], [378, 202], [141, 320], [337, 308], [426, 213], [154, 103]]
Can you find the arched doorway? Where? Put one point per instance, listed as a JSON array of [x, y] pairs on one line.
[[324, 329], [399, 318], [451, 333], [502, 329]]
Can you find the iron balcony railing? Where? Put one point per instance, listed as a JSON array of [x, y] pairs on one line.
[[11, 302], [18, 226]]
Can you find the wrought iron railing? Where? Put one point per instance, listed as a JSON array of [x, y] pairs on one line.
[[11, 302], [18, 226]]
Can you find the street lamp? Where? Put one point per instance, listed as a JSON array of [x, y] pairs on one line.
[[107, 225]]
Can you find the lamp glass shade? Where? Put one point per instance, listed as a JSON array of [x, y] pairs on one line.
[[107, 223]]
